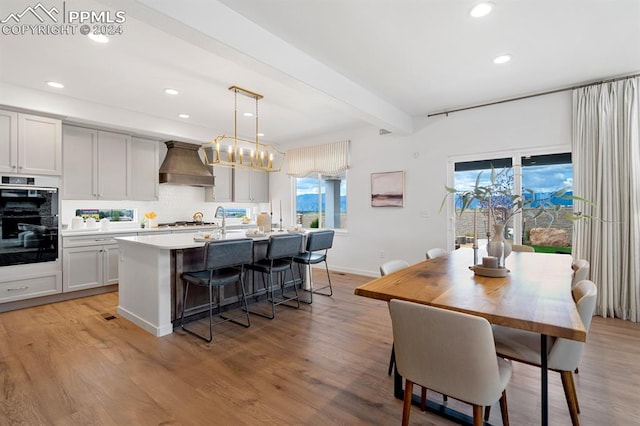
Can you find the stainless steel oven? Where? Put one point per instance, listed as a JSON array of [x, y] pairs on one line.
[[28, 221]]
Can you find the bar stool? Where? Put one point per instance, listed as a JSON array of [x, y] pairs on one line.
[[225, 262], [318, 243], [279, 259]]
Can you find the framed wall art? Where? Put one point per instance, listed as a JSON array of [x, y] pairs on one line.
[[387, 189]]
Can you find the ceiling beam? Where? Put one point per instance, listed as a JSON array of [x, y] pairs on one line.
[[220, 30]]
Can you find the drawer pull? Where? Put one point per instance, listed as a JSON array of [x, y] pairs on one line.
[[18, 288]]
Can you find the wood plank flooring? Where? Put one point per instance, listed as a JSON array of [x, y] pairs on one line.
[[66, 364]]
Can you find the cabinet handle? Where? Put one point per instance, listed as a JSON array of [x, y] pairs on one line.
[[18, 288], [19, 167], [13, 167]]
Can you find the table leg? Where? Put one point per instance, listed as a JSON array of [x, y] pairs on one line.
[[543, 379]]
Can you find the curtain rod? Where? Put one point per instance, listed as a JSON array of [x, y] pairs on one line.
[[533, 95]]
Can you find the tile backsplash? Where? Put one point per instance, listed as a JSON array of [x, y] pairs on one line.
[[176, 203]]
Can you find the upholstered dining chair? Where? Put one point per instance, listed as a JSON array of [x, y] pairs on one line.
[[387, 268], [521, 248], [564, 355], [225, 263], [581, 269], [318, 244], [436, 252], [279, 259], [392, 266], [449, 352]]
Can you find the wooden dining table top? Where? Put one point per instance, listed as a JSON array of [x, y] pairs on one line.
[[535, 295]]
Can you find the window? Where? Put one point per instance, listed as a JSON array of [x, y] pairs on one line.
[[114, 215], [321, 201], [537, 177]]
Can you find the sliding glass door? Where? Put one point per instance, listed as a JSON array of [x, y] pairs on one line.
[[540, 179]]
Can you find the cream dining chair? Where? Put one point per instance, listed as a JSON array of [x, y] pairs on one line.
[[436, 252], [564, 355], [387, 268], [450, 352], [580, 271]]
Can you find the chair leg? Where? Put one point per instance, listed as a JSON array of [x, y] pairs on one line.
[[244, 307], [477, 415], [503, 408], [406, 407], [487, 413], [269, 292], [571, 396], [285, 298], [423, 399], [310, 291], [326, 266], [392, 359], [193, 333]]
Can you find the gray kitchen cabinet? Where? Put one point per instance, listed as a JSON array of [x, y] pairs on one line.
[[144, 169], [96, 164], [222, 189], [250, 186], [89, 261], [30, 144]]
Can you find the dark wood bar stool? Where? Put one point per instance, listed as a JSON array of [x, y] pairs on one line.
[[225, 263], [318, 243], [279, 259]]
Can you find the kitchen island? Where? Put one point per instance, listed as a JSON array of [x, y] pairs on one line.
[[150, 288]]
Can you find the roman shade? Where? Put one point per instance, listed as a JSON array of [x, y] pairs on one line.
[[330, 159]]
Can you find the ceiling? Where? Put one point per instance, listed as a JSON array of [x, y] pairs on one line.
[[322, 65]]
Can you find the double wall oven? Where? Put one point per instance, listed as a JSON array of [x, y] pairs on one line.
[[28, 221]]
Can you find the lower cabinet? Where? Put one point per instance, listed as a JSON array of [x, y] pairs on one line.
[[28, 286], [89, 262]]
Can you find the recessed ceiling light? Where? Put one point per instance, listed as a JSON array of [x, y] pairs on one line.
[[183, 115], [55, 84], [248, 114], [170, 91], [98, 38], [260, 134], [481, 9], [502, 59]]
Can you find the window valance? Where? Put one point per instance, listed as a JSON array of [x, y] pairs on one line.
[[330, 159]]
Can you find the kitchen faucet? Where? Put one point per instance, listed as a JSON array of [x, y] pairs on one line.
[[224, 215]]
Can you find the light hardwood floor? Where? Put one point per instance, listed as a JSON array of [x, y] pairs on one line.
[[65, 364]]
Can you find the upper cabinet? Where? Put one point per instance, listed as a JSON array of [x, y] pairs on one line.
[[97, 164], [144, 170], [250, 186], [30, 144], [222, 189]]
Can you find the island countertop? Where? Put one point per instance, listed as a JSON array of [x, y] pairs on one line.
[[182, 240]]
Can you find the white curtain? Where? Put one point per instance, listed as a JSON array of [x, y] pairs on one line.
[[330, 159], [606, 159]]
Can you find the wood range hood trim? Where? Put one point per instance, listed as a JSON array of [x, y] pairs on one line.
[[182, 166]]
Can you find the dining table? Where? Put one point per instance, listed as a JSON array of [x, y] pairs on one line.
[[534, 295]]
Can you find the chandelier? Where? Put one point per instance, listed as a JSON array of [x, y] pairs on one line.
[[235, 152]]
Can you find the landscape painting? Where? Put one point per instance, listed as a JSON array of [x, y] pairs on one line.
[[387, 189]]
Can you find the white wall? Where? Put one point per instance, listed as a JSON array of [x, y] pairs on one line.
[[406, 233]]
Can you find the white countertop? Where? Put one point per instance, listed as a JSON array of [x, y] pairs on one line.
[[137, 229], [181, 240]]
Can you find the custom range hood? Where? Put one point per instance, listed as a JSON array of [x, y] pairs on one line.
[[183, 166]]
